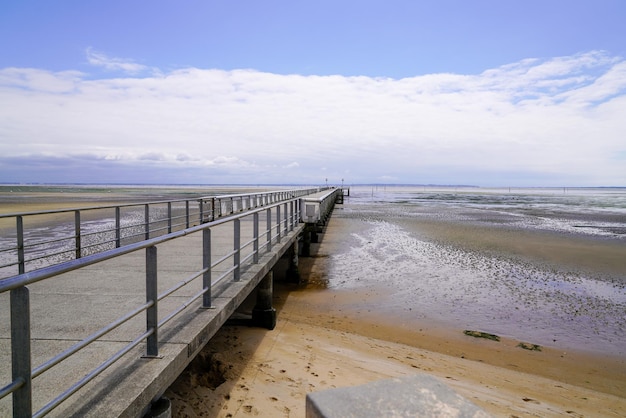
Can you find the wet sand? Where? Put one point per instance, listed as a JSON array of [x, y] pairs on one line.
[[328, 338]]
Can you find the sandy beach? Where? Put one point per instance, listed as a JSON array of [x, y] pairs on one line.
[[327, 338]]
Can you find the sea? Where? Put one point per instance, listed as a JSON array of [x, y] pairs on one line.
[[545, 266]]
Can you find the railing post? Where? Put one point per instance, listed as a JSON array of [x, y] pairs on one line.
[[237, 248], [118, 229], [20, 245], [201, 207], [187, 213], [77, 233], [298, 210], [20, 351], [269, 229], [255, 235], [152, 317], [285, 217], [213, 208], [147, 221], [169, 217], [291, 218], [278, 223], [206, 264]]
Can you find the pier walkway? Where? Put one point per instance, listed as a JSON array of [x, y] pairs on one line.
[[105, 334]]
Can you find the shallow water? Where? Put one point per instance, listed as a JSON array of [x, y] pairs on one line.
[[428, 279]]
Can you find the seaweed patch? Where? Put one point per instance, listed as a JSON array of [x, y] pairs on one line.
[[529, 346], [480, 334]]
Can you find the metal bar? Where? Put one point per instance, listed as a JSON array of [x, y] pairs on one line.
[[169, 217], [247, 243], [82, 382], [51, 241], [278, 223], [269, 230], [187, 212], [20, 244], [152, 317], [201, 206], [224, 274], [255, 234], [147, 221], [180, 284], [10, 388], [221, 260], [286, 219], [206, 264], [183, 306], [20, 351], [246, 258], [84, 343], [118, 230], [237, 248], [154, 231], [53, 211], [77, 233]]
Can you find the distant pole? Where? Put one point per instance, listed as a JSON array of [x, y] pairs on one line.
[[326, 182]]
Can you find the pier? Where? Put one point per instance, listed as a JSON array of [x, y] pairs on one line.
[[105, 330]]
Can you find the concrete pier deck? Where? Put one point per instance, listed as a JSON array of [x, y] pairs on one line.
[[69, 307]]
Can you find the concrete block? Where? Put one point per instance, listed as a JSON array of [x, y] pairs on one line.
[[411, 396]]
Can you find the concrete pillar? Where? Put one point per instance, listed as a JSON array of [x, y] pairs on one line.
[[314, 231], [263, 315], [293, 274], [306, 241], [162, 408]]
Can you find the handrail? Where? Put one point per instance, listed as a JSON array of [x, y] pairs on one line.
[[84, 238], [20, 312], [293, 192]]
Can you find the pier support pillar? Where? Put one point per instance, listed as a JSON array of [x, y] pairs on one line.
[[293, 274], [306, 241], [263, 315], [314, 232]]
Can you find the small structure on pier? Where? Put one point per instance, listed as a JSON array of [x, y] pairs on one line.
[[316, 209]]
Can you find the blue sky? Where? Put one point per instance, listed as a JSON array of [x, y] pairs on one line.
[[492, 93]]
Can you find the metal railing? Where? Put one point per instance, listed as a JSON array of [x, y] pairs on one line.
[[56, 236], [279, 220]]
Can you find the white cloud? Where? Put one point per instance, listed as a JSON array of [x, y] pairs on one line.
[[99, 59], [36, 80], [560, 119]]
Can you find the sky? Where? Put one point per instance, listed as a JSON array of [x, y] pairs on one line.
[[484, 92]]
